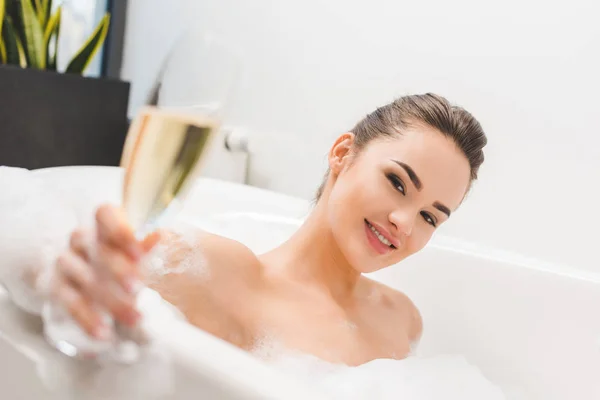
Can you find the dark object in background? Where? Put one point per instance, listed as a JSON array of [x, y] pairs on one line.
[[49, 119], [112, 55]]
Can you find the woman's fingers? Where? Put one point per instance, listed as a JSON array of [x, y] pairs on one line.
[[150, 241], [80, 309], [80, 243], [108, 261], [81, 276], [120, 305], [114, 230], [119, 283], [100, 272], [74, 268], [116, 266]]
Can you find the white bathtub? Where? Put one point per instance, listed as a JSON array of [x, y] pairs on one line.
[[531, 328]]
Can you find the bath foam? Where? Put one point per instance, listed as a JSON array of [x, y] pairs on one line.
[[35, 224], [444, 377], [177, 252], [267, 347]]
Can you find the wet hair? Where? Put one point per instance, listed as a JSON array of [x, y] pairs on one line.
[[422, 109]]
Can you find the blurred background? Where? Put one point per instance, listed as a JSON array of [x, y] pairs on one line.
[[310, 69]]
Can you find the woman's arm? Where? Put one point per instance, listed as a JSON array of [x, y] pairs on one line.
[[207, 277], [37, 223]]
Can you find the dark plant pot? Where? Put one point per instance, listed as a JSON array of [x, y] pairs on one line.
[[48, 119]]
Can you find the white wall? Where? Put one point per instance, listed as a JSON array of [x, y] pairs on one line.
[[528, 69]]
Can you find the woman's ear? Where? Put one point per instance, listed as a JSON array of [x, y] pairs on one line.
[[340, 153]]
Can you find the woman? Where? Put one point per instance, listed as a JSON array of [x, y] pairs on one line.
[[395, 178]]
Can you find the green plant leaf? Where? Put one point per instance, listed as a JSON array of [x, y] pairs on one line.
[[51, 63], [15, 53], [8, 43], [52, 29], [22, 56], [12, 10], [47, 12], [1, 21], [34, 37], [2, 53], [39, 10], [43, 8], [89, 49]]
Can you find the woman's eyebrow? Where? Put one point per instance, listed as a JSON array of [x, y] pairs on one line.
[[442, 208], [411, 174], [417, 182]]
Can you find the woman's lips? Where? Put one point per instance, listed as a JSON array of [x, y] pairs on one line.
[[374, 241]]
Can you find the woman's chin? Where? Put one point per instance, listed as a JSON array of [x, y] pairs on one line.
[[361, 256], [367, 262], [370, 262]]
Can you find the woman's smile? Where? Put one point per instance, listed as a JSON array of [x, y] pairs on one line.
[[380, 240]]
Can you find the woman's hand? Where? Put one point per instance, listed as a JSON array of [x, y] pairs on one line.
[[99, 272]]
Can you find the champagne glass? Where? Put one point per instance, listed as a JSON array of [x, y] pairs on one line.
[[163, 152], [166, 143]]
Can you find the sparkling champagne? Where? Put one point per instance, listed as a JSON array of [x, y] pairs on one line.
[[163, 152]]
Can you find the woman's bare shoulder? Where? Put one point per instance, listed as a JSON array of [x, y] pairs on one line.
[[205, 250], [228, 253], [403, 307]]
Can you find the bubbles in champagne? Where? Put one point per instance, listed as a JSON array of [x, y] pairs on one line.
[[163, 152]]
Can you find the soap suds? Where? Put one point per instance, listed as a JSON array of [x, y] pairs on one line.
[[347, 324], [444, 377], [178, 252], [441, 377]]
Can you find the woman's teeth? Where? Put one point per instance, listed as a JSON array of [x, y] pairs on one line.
[[381, 238]]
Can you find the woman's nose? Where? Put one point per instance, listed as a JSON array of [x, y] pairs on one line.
[[403, 222]]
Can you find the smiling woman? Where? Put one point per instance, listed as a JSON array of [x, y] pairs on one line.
[[392, 181], [405, 167]]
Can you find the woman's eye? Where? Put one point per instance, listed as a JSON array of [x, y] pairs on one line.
[[397, 183], [428, 218]]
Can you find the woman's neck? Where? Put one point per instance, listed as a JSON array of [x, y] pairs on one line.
[[311, 256]]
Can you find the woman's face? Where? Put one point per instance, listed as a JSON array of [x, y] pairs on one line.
[[386, 202]]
